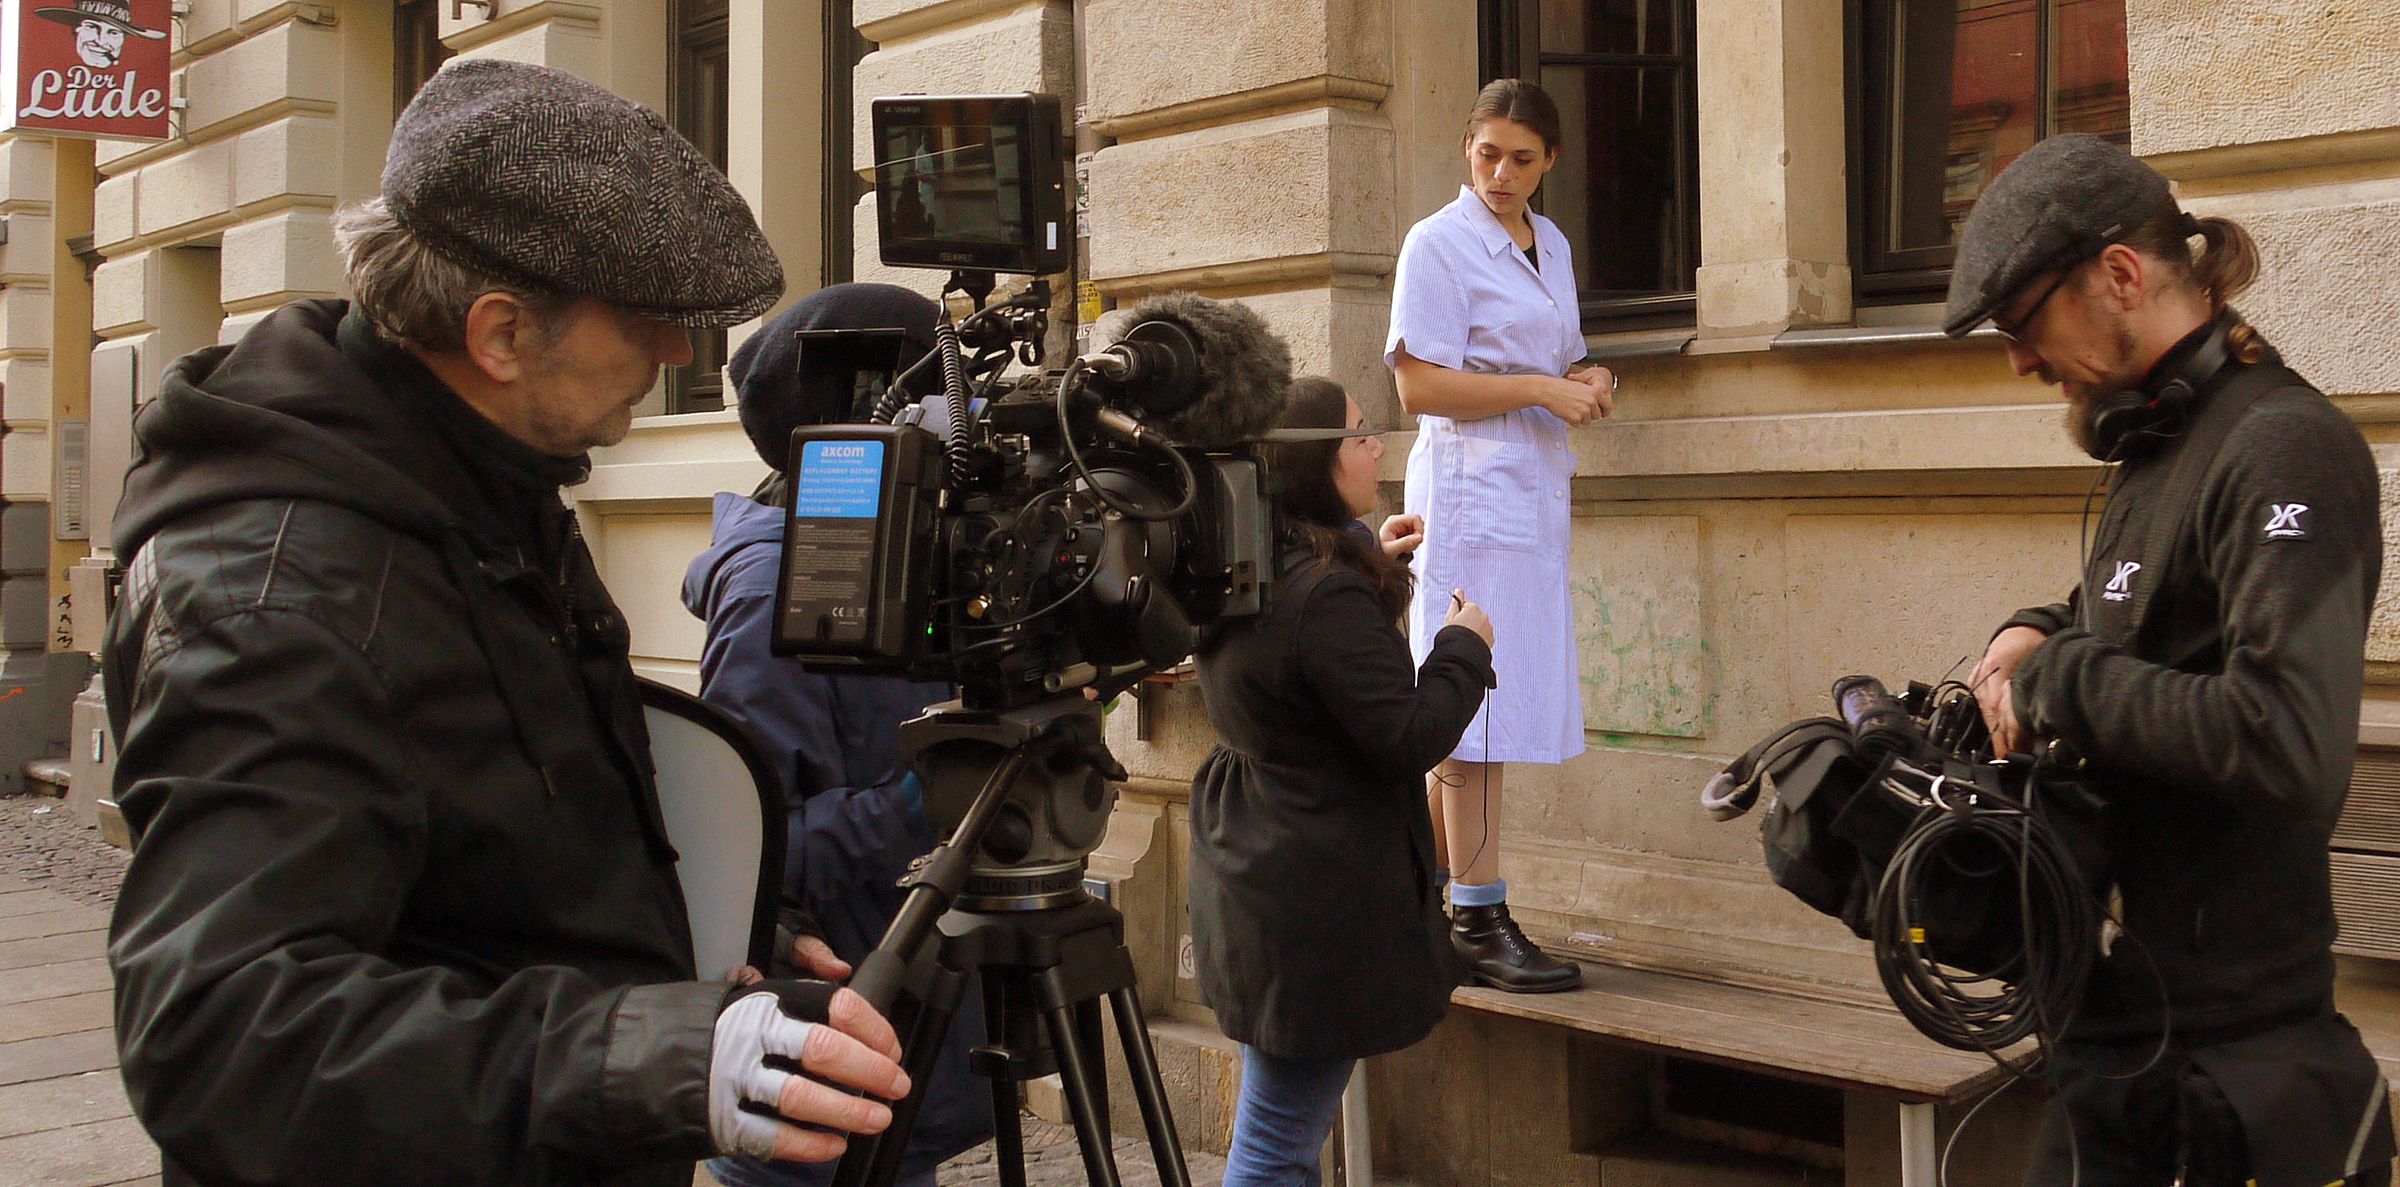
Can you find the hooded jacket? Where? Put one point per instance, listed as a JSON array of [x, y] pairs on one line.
[[2209, 666], [401, 907], [856, 817]]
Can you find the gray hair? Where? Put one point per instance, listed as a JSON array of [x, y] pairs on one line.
[[413, 295]]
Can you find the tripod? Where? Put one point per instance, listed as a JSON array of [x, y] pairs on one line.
[[1050, 954]]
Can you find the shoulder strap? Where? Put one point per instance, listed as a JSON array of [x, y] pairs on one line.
[[1732, 791], [2210, 426]]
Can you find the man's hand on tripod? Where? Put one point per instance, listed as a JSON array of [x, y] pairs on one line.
[[782, 1056]]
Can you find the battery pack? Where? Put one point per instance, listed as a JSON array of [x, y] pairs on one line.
[[857, 578]]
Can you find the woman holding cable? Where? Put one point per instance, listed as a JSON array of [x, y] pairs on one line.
[[1317, 930], [1486, 348]]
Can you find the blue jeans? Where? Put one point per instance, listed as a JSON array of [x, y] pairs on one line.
[[1286, 1109]]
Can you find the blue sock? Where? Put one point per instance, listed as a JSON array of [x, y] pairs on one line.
[[1490, 894]]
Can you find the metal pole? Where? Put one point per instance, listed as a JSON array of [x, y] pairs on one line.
[[1358, 1142], [1919, 1165]]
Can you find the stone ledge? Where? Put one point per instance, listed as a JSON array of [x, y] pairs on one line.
[[883, 21], [1279, 99], [2016, 438]]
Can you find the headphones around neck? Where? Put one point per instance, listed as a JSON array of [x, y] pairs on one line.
[[2159, 408]]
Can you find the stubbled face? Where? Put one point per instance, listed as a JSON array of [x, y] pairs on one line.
[[99, 43], [1505, 163], [2073, 339], [1355, 465], [582, 384]]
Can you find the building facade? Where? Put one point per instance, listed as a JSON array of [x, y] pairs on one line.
[[1802, 479]]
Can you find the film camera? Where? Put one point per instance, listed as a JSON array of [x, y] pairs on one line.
[[1041, 539]]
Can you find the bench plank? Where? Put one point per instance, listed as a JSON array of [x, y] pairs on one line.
[[1793, 1038]]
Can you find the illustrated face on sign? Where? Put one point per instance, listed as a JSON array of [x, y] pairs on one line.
[[99, 43]]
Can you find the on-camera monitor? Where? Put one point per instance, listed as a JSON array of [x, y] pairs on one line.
[[971, 181]]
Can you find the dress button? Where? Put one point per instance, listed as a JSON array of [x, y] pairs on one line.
[[1558, 494]]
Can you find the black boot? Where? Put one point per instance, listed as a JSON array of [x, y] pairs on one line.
[[1498, 954]]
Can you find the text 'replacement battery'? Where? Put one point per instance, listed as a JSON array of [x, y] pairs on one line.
[[858, 539]]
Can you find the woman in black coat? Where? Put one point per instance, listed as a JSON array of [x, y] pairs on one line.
[[1315, 918]]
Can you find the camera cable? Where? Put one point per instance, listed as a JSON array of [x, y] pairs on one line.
[[1070, 385]]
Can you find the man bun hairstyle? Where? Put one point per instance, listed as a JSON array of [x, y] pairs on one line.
[[1521, 101], [2226, 266]]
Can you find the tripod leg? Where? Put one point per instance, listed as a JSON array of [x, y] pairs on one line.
[[1075, 1074], [1141, 1066], [1008, 1132], [922, 1026], [923, 1047], [1095, 1043]]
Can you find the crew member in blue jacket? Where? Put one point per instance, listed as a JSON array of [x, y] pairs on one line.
[[857, 815]]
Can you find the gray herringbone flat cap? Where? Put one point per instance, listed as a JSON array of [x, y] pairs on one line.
[[2059, 204], [536, 177]]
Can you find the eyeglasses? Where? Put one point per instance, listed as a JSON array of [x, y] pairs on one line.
[[2016, 333]]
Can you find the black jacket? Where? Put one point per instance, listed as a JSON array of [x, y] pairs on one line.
[[1315, 920], [401, 907], [2212, 676]]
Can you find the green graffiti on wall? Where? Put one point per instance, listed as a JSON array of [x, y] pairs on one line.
[[1644, 658]]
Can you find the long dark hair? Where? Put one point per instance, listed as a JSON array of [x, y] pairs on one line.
[[1313, 511]]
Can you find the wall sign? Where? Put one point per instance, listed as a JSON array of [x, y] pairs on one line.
[[95, 68]]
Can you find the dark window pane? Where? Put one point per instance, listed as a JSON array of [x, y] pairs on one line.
[[1954, 90], [2087, 74], [1608, 27], [1965, 101], [417, 49], [1618, 190], [699, 103]]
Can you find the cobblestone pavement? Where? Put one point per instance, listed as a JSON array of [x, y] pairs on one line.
[[1052, 1160], [41, 843]]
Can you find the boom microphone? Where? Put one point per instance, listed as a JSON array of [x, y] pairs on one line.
[[1206, 373]]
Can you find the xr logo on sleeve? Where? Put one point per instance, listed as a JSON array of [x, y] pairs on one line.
[[2283, 522], [2120, 587]]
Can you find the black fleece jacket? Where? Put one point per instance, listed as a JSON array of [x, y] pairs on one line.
[[401, 908], [2209, 667]]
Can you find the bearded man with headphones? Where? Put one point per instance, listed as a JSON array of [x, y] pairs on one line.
[[2203, 677]]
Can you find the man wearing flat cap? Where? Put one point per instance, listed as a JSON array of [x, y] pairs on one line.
[[402, 907], [2203, 677]]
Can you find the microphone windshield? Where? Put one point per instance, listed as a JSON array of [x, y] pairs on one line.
[[1244, 370]]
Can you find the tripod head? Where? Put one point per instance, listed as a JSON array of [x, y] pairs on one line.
[[1022, 796]]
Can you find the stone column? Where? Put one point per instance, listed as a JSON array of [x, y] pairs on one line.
[[45, 189], [1774, 242], [1252, 159]]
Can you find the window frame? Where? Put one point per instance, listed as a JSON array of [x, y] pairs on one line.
[[1510, 33], [1907, 275], [699, 32], [843, 187]]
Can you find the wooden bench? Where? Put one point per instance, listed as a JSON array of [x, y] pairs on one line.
[[1859, 1048]]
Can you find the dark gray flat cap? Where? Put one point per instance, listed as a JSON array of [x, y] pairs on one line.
[[533, 176], [2060, 203]]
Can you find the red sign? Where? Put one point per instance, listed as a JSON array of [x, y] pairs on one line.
[[87, 68]]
